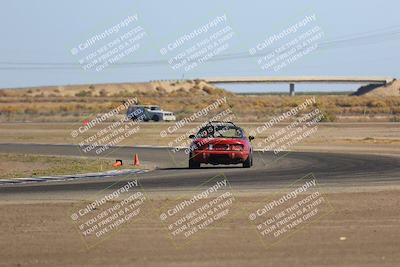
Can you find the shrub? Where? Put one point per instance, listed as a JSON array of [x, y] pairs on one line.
[[376, 104], [344, 102], [83, 93], [328, 117], [395, 119], [160, 89], [103, 93], [208, 89]]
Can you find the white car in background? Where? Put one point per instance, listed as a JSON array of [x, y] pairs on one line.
[[154, 113]]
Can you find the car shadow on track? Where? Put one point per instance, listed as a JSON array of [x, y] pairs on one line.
[[202, 168]]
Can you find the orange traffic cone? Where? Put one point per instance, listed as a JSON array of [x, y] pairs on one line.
[[117, 163], [136, 161]]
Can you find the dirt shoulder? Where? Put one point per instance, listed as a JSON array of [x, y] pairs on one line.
[[14, 165], [362, 230]]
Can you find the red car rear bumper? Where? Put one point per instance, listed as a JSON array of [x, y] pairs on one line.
[[220, 157]]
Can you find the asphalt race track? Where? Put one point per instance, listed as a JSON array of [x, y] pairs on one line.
[[171, 173]]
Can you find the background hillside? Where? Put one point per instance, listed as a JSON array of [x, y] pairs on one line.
[[77, 102]]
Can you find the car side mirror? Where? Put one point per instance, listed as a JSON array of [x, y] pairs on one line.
[[251, 137], [192, 136]]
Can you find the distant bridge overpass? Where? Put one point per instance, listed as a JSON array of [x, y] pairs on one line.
[[292, 80]]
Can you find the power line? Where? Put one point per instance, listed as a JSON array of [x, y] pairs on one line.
[[363, 38]]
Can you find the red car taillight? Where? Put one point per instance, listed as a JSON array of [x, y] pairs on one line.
[[200, 146]]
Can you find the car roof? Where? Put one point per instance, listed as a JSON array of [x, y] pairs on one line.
[[145, 106]]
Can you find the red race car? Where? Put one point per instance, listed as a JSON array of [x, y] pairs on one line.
[[220, 143]]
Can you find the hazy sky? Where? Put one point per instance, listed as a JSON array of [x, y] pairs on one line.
[[361, 37]]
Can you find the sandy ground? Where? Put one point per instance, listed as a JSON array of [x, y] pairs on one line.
[[361, 230], [13, 165]]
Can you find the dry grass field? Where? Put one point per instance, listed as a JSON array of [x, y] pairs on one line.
[[75, 103], [13, 165]]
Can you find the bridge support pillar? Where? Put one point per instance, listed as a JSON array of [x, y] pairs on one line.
[[291, 89]]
